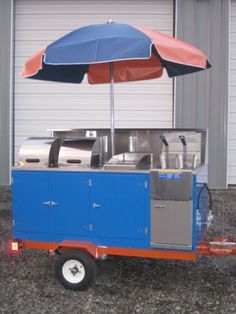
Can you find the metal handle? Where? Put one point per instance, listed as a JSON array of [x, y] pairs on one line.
[[48, 203], [159, 206], [163, 138], [96, 205], [183, 140]]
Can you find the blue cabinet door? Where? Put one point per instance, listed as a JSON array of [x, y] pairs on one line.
[[30, 214], [120, 209], [70, 215], [107, 208]]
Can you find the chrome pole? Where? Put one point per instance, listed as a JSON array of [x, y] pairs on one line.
[[112, 111]]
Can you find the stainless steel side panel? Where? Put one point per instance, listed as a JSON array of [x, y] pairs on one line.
[[175, 186], [171, 224]]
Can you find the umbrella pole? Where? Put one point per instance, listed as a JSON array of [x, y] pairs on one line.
[[112, 110]]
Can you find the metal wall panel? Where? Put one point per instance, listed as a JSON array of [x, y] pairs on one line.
[[5, 90], [46, 105], [202, 98], [232, 98]]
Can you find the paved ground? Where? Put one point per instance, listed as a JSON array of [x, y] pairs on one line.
[[123, 285]]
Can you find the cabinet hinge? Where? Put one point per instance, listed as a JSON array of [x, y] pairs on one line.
[[12, 180], [90, 227], [146, 231], [145, 184], [90, 182]]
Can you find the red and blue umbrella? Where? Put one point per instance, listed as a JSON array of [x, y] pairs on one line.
[[114, 52]]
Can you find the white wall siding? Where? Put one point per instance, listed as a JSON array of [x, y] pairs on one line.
[[45, 105], [232, 99]]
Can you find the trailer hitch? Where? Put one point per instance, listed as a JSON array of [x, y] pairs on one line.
[[219, 246]]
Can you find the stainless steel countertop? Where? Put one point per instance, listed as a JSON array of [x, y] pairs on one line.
[[78, 169], [86, 169]]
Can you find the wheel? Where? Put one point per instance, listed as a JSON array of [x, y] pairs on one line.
[[75, 269]]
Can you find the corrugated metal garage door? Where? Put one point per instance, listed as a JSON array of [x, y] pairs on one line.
[[45, 105], [232, 99]]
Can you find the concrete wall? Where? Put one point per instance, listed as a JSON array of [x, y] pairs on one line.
[[5, 89], [202, 98]]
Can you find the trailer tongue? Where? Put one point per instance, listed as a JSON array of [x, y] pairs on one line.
[[150, 199], [219, 246]]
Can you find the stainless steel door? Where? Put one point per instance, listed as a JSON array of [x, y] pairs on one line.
[[171, 224]]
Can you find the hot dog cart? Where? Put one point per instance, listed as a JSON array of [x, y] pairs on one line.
[[71, 196]]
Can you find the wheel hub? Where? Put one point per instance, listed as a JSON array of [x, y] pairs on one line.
[[73, 271]]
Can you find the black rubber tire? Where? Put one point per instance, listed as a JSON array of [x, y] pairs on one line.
[[88, 263]]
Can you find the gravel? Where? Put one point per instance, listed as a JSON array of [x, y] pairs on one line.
[[123, 285]]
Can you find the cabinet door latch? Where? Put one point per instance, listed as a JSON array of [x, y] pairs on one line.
[[95, 205], [47, 203], [50, 203], [54, 203]]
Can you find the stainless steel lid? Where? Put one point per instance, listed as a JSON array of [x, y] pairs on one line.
[[39, 152], [82, 152]]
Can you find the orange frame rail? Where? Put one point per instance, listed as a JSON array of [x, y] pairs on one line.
[[218, 247]]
